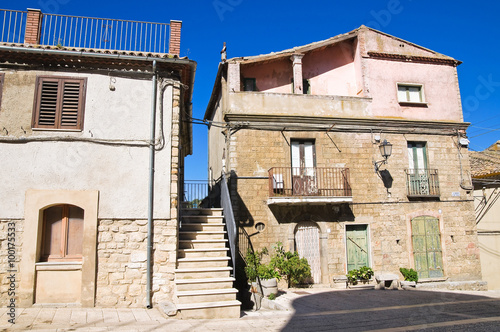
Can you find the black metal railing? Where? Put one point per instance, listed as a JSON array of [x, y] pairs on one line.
[[309, 181], [229, 218], [422, 182]]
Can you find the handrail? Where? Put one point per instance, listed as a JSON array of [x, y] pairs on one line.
[[229, 217]]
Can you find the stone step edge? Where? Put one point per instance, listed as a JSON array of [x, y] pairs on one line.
[[202, 241], [203, 249], [202, 232], [202, 305], [202, 209], [203, 280], [203, 269], [203, 259], [217, 291]]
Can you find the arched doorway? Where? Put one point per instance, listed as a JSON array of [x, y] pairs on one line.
[[308, 246]]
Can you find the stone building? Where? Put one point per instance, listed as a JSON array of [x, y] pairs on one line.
[[301, 133], [485, 169], [86, 119]]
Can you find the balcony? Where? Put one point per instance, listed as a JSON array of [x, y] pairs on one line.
[[422, 183], [309, 185]]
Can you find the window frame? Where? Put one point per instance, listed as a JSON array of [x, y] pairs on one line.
[[252, 81], [60, 98], [422, 101], [64, 237]]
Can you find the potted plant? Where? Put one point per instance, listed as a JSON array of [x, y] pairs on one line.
[[291, 267], [363, 274], [410, 276], [263, 277]]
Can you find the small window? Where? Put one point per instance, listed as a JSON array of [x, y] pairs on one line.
[[1, 87], [59, 103], [410, 93], [306, 86], [249, 84], [62, 233]]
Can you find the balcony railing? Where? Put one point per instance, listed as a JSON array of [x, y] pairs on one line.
[[309, 181], [12, 26], [422, 182], [103, 33], [86, 32]]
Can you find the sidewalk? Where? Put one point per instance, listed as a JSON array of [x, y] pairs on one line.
[[326, 305]]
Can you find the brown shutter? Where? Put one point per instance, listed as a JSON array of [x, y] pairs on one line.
[[59, 103], [48, 103], [71, 103]]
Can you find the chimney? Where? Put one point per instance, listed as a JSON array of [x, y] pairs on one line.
[[33, 26], [174, 46]]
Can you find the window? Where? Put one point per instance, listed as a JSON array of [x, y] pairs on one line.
[[249, 84], [62, 233], [303, 155], [59, 103], [1, 87], [417, 156], [306, 86], [410, 93]]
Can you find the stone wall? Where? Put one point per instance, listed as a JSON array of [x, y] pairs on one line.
[[386, 211], [121, 268]]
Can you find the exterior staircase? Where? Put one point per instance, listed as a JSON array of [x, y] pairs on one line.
[[204, 286]]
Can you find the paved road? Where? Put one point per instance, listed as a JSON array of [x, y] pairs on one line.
[[308, 310]]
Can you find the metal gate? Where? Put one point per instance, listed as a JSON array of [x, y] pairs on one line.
[[307, 245], [426, 240]]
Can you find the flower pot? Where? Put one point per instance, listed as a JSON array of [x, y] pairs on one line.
[[269, 286]]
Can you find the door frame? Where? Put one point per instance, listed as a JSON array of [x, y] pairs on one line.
[[368, 239]]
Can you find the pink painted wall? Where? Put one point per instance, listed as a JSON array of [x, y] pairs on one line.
[[440, 85], [272, 76], [331, 71]]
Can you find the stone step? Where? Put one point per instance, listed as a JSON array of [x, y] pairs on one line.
[[210, 310], [205, 283], [202, 235], [200, 244], [204, 219], [186, 263], [204, 252], [203, 212], [201, 226], [202, 273], [207, 295]]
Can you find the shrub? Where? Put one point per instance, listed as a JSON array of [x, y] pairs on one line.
[[409, 274], [364, 273], [255, 269], [272, 296], [291, 267]]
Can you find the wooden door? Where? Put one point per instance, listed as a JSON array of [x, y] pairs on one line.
[[427, 253], [357, 246], [307, 245]]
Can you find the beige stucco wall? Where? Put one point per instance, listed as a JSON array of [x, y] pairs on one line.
[[488, 230], [117, 171]]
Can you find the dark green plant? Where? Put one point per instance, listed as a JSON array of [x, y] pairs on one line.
[[409, 274], [254, 267], [291, 267], [272, 296], [364, 273]]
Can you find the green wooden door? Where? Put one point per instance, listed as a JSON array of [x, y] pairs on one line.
[[427, 247], [357, 246]]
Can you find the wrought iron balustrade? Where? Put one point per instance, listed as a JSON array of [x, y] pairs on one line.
[[309, 181], [12, 25], [422, 182]]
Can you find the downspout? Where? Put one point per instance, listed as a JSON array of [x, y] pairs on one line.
[[151, 189]]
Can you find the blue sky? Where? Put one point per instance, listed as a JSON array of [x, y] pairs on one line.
[[465, 30]]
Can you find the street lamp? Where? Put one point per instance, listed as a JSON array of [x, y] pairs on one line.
[[386, 151]]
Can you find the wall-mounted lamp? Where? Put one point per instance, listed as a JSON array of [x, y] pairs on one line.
[[386, 151]]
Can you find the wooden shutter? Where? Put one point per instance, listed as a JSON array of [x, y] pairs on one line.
[[59, 103]]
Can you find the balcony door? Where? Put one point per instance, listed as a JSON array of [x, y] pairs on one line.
[[303, 168], [418, 171]]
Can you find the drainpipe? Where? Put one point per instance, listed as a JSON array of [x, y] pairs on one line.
[[151, 189]]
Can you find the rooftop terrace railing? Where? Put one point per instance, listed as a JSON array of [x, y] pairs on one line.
[[88, 32], [12, 25], [103, 33]]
